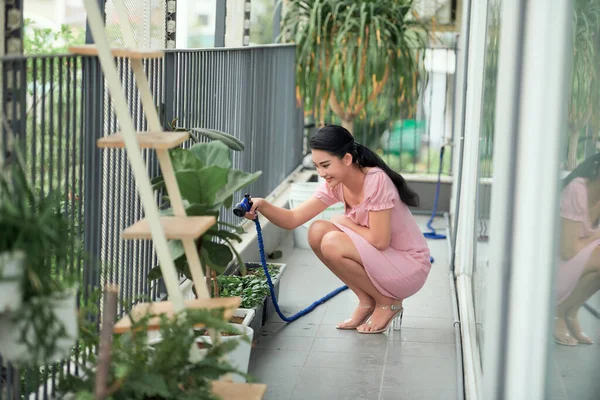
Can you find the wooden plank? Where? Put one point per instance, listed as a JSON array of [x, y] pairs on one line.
[[239, 391], [174, 228], [166, 307], [92, 50], [146, 140]]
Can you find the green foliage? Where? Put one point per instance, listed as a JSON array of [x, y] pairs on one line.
[[584, 100], [46, 41], [352, 54], [252, 288], [36, 225], [158, 369], [207, 183]]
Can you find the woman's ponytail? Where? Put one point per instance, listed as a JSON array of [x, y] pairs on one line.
[[365, 157]]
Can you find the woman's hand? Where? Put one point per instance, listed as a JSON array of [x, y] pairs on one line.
[[342, 220], [257, 202]]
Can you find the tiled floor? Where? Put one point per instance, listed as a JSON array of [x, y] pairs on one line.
[[310, 359]]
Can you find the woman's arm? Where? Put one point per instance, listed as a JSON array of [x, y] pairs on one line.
[[571, 243], [284, 218], [379, 232]]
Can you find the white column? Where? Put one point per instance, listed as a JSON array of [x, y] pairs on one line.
[[541, 123], [234, 23], [467, 205]]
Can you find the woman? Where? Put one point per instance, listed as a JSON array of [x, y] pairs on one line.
[[376, 247], [578, 276]]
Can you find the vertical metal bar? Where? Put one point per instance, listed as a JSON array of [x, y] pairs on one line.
[[88, 34], [93, 95], [220, 23], [43, 126], [51, 136]]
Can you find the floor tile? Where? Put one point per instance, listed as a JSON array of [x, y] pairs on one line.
[[375, 345], [398, 350], [347, 360], [420, 378], [331, 384], [277, 342]]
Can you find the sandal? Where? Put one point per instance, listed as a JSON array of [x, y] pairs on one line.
[[353, 327], [395, 321]]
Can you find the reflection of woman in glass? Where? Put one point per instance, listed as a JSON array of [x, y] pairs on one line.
[[579, 268]]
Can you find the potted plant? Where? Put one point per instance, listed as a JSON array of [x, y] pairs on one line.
[[351, 57], [239, 357], [208, 181], [11, 275], [253, 289], [43, 328], [158, 367]]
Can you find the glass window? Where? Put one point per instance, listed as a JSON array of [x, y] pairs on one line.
[[575, 359], [485, 168]]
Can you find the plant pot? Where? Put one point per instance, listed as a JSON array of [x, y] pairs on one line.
[[243, 316], [11, 274], [239, 358], [63, 307], [268, 308]]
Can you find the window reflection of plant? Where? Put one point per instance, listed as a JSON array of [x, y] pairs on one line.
[[584, 96]]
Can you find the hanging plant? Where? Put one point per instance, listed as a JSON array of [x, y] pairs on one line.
[[351, 54]]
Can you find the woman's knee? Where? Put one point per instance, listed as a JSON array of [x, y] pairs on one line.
[[317, 231], [333, 244]]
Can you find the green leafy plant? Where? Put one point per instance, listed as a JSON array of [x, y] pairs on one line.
[[207, 181], [145, 369], [352, 54], [35, 223], [252, 288]]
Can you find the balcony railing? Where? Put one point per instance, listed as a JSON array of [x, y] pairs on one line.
[[57, 107]]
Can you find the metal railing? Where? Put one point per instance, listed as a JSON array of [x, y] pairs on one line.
[[58, 107]]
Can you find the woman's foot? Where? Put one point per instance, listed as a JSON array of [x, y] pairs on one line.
[[359, 316], [562, 334], [381, 318], [574, 326]]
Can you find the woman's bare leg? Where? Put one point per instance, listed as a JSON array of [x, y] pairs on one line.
[[342, 257], [566, 312], [366, 303]]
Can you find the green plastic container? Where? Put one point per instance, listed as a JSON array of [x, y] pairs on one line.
[[403, 138]]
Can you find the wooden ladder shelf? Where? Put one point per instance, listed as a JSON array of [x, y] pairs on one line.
[[153, 226]]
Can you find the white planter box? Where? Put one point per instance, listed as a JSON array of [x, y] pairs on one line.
[[240, 357], [12, 348], [246, 313], [11, 274]]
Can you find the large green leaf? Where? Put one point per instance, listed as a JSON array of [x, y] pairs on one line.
[[236, 180], [231, 141], [185, 159], [201, 186], [217, 256], [212, 153]]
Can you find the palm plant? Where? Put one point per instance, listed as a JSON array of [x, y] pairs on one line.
[[352, 53], [585, 77]]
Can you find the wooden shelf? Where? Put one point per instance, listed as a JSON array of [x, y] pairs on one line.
[[239, 391], [166, 307], [138, 54], [146, 140], [174, 227]]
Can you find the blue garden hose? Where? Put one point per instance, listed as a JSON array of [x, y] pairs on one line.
[[432, 234], [240, 210]]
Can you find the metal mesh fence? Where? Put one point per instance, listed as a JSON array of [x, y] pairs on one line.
[[247, 92], [147, 19]]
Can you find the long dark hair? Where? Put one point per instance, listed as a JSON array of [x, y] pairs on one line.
[[337, 141], [588, 169]]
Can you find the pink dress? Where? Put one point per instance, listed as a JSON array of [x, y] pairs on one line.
[[402, 269], [573, 206]]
